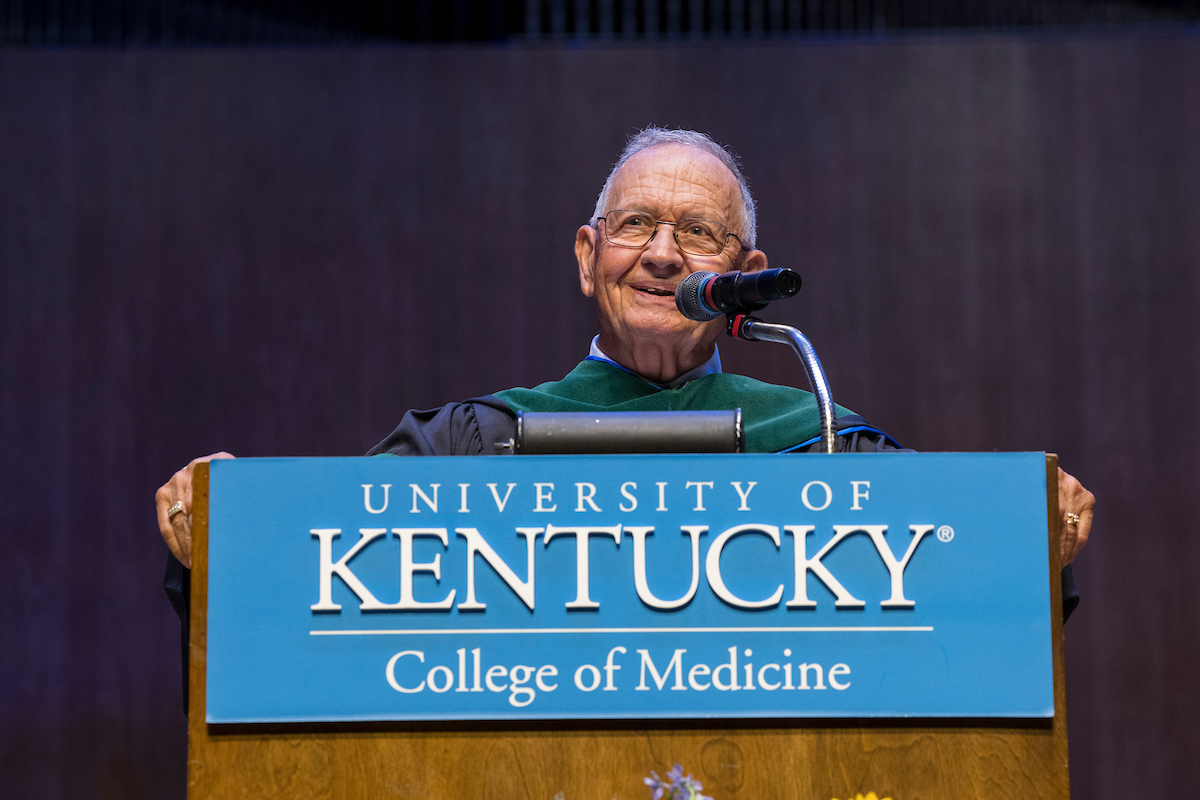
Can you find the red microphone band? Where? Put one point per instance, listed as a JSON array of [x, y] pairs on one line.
[[737, 326]]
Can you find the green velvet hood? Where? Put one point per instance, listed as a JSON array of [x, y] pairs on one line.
[[774, 417]]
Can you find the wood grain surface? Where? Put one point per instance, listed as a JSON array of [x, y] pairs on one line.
[[585, 760]]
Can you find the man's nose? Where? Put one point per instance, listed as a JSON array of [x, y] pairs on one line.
[[662, 250]]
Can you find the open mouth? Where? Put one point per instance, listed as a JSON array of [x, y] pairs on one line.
[[655, 292]]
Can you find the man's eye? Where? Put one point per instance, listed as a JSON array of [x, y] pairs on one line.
[[635, 221]]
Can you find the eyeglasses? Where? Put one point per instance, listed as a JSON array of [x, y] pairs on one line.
[[697, 237]]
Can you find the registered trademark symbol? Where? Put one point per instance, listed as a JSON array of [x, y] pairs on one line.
[[945, 533]]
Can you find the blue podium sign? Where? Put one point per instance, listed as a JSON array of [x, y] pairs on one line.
[[673, 586]]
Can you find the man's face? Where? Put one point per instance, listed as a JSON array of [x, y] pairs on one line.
[[635, 287]]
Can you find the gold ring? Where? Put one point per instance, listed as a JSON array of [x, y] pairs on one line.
[[177, 509], [1072, 518]]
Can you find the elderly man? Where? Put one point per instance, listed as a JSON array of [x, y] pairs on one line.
[[675, 203]]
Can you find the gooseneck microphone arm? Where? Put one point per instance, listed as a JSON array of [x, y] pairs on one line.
[[703, 296], [746, 327]]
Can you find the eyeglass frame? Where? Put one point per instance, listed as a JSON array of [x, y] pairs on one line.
[[674, 232]]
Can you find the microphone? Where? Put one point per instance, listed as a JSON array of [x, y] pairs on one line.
[[702, 296]]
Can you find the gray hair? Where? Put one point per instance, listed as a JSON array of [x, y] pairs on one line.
[[653, 137]]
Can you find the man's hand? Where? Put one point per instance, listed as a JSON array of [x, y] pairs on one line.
[[176, 528], [1075, 505]]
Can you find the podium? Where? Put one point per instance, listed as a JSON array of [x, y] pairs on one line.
[[539, 759]]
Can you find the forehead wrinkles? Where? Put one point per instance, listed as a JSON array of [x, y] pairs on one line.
[[678, 181]]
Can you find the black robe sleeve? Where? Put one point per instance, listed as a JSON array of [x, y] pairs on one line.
[[471, 428], [178, 585]]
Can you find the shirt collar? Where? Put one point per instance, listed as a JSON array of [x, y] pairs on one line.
[[713, 365]]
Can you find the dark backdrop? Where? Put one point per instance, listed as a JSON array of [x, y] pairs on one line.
[[277, 252]]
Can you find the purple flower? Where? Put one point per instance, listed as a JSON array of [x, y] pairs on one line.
[[678, 785], [657, 787]]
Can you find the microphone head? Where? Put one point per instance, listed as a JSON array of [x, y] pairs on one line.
[[687, 297], [787, 284]]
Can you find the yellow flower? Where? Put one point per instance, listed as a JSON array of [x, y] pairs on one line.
[[869, 796]]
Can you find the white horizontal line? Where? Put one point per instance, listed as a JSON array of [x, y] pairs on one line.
[[450, 631]]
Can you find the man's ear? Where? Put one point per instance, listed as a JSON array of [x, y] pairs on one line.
[[754, 261], [585, 254]]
